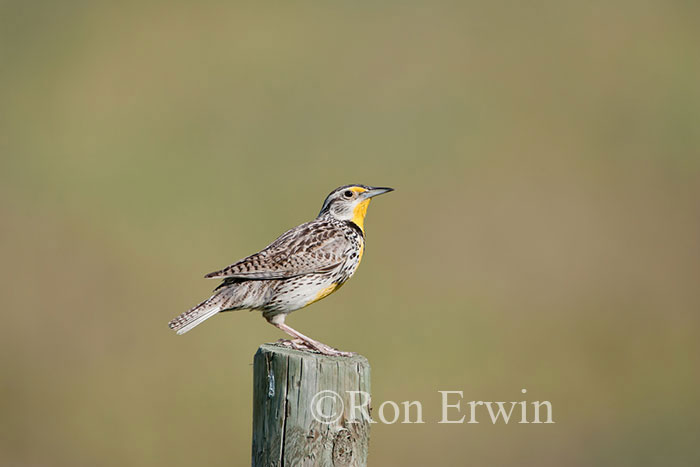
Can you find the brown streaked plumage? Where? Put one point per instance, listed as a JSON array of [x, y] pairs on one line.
[[304, 265]]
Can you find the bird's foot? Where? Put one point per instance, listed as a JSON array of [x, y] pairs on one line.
[[299, 344], [328, 350], [296, 344]]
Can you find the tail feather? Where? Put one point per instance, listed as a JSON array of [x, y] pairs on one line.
[[195, 316]]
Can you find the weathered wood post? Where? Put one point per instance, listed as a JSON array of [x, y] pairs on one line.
[[302, 408]]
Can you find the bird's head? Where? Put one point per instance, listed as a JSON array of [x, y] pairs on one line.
[[349, 203]]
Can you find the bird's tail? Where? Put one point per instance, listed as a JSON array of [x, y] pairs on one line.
[[195, 316]]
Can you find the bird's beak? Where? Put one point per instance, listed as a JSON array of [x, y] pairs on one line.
[[372, 192]]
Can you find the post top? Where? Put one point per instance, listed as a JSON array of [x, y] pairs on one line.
[[280, 349]]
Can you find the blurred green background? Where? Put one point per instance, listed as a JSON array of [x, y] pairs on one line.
[[544, 233]]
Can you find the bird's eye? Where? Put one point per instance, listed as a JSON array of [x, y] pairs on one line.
[[348, 194]]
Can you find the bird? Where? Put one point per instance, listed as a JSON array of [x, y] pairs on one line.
[[302, 266]]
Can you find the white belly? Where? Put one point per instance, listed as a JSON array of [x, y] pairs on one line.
[[296, 294]]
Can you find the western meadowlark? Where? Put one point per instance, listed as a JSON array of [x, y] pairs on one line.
[[304, 265]]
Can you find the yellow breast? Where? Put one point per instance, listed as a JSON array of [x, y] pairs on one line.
[[325, 292]]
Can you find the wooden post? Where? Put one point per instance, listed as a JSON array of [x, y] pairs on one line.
[[295, 423]]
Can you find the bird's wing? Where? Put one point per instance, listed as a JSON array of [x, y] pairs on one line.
[[310, 248]]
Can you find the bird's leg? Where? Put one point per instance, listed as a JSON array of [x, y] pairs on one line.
[[307, 341]]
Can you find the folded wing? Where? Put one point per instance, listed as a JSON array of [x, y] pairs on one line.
[[295, 253]]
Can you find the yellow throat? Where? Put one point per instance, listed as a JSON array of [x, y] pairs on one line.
[[358, 215]]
